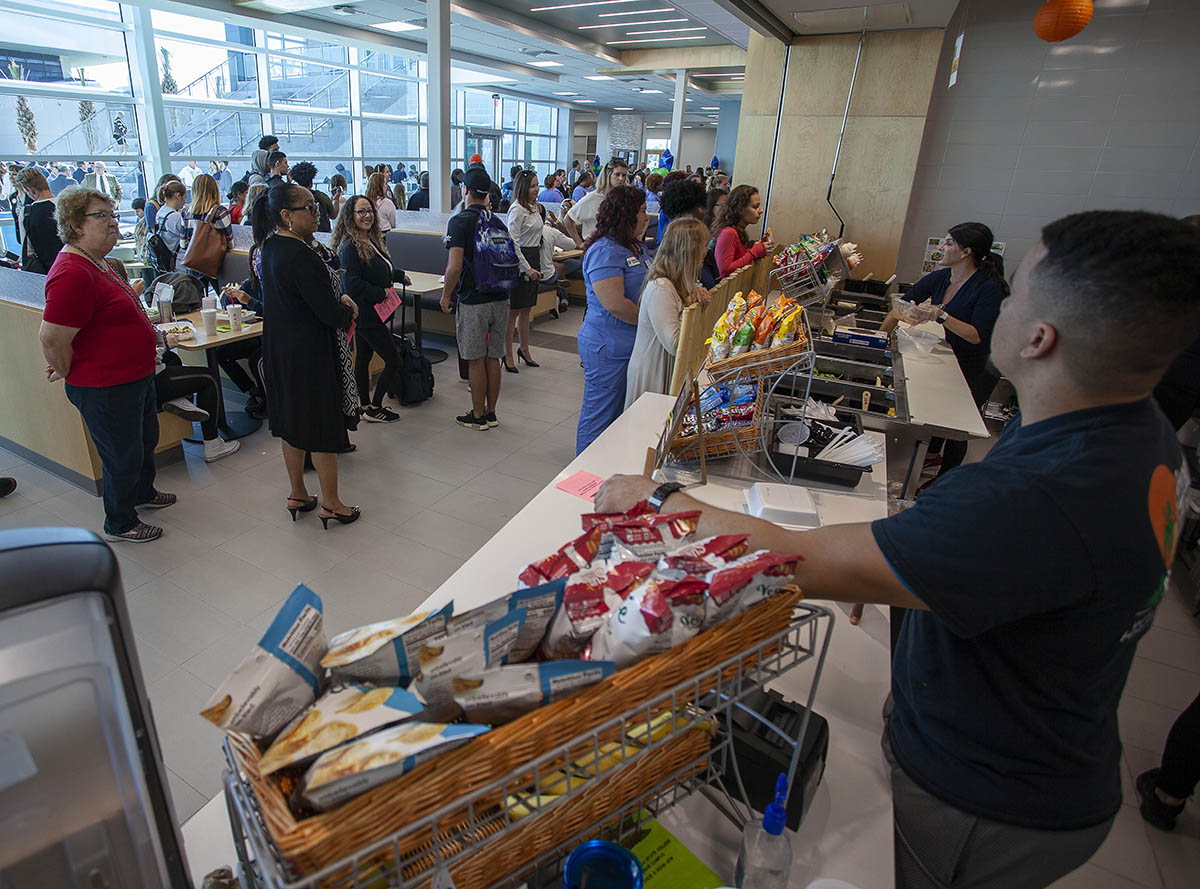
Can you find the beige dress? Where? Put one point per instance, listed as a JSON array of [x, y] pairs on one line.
[[659, 312]]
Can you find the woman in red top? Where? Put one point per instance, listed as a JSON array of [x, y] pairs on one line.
[[96, 336], [733, 249]]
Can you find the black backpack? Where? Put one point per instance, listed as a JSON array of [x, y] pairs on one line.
[[160, 257], [414, 383]]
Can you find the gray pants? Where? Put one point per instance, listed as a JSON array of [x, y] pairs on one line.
[[941, 847]]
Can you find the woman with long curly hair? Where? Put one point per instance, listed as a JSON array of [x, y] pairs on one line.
[[368, 274], [380, 196], [615, 262], [733, 248]]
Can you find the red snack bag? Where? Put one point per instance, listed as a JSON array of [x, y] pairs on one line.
[[746, 582], [701, 556], [572, 556], [643, 624], [652, 536], [590, 595], [606, 520]]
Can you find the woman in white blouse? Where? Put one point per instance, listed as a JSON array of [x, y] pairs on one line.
[[525, 228], [380, 196], [671, 285]]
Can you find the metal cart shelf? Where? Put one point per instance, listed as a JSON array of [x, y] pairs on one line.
[[720, 689]]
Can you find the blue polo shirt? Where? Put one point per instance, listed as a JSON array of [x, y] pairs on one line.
[[977, 303], [608, 259], [1041, 567]]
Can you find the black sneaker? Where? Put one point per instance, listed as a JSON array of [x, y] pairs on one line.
[[1154, 810], [379, 415], [470, 421], [491, 420]]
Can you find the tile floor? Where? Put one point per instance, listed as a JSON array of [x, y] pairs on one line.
[[431, 494]]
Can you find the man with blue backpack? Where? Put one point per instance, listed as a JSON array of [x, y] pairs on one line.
[[482, 268]]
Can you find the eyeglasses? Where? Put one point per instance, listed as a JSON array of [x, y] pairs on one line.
[[366, 211], [104, 214], [311, 208]]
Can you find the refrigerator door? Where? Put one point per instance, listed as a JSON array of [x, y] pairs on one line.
[[83, 795]]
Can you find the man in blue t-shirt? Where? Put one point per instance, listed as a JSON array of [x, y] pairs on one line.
[[1031, 574]]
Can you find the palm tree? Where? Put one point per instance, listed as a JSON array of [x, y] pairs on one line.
[[25, 123], [87, 115]]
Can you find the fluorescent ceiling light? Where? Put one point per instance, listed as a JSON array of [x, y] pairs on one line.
[[655, 40], [577, 5], [643, 90], [609, 15], [565, 93], [710, 107], [626, 24], [713, 73], [545, 64], [396, 27], [622, 109], [666, 30], [662, 123], [599, 77], [585, 101]]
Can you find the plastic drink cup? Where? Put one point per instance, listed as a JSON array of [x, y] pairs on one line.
[[166, 309], [209, 302], [235, 317], [208, 318]]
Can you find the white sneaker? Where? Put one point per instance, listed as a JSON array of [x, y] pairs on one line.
[[215, 449], [183, 407]]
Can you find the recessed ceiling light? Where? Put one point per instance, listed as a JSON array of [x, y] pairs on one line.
[[585, 101], [599, 77], [545, 64], [609, 15], [626, 24], [665, 30], [577, 5], [643, 90], [396, 27], [655, 40], [565, 93]]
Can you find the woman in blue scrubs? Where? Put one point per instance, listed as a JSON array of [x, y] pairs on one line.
[[964, 296], [615, 262]]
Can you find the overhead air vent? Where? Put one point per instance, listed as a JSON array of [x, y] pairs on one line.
[[883, 17]]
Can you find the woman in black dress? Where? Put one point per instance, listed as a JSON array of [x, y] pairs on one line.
[[310, 401], [369, 276]]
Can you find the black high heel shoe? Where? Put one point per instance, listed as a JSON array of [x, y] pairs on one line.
[[510, 368], [309, 506], [350, 519], [521, 356]]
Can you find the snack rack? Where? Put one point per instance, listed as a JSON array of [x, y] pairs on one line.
[[605, 780]]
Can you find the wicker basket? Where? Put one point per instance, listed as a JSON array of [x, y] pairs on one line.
[[724, 443], [761, 362], [306, 844]]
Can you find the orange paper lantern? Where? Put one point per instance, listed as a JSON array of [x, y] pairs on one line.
[[1059, 20]]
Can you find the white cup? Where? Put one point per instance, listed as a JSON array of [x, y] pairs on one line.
[[209, 302], [235, 317], [209, 319]]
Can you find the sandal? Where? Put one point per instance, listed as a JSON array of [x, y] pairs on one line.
[[139, 533]]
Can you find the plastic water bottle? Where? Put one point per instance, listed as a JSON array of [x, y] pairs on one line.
[[765, 860]]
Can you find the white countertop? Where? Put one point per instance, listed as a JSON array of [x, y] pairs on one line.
[[937, 394]]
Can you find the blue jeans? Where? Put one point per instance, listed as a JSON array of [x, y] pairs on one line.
[[123, 423]]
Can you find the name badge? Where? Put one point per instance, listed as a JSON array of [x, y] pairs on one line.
[[632, 262]]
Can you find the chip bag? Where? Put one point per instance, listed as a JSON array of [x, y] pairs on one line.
[[652, 536], [539, 603], [568, 559], [589, 596], [606, 520], [718, 346], [746, 582], [342, 714], [467, 648], [788, 327], [754, 300], [641, 625], [385, 652], [355, 768], [280, 677], [504, 693], [701, 556]]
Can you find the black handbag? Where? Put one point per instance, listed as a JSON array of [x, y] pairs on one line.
[[414, 382]]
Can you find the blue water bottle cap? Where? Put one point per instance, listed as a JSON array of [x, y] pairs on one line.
[[775, 816]]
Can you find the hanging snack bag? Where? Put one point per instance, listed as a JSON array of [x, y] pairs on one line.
[[641, 625], [355, 768], [466, 649], [504, 693], [280, 677], [589, 596], [342, 714], [385, 652], [572, 556]]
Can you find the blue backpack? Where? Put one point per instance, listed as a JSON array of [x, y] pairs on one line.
[[495, 265]]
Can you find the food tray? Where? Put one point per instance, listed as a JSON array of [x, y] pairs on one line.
[[457, 805]]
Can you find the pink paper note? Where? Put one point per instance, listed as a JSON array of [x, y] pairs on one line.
[[388, 307], [581, 484], [350, 332]]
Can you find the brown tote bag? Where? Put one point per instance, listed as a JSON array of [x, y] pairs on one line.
[[206, 250]]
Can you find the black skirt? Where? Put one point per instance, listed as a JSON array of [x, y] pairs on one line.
[[524, 295]]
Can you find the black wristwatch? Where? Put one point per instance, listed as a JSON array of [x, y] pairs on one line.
[[662, 492]]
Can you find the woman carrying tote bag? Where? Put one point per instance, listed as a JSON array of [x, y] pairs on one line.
[[207, 232]]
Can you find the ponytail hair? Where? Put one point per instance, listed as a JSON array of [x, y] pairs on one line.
[[978, 238], [266, 214]]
